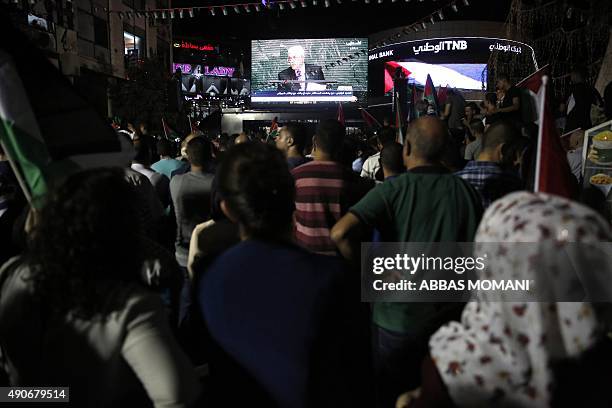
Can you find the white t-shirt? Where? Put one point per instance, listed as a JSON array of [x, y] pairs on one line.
[[371, 166]]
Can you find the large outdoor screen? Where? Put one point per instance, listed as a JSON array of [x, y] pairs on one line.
[[309, 71]]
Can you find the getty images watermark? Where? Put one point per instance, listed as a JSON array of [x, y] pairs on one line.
[[451, 272]]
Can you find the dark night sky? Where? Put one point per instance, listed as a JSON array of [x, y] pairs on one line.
[[351, 18]]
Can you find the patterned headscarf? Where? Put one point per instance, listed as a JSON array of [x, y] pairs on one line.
[[500, 353]]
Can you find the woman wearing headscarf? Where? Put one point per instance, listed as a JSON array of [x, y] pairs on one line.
[[503, 352]]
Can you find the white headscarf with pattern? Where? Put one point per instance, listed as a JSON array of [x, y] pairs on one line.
[[500, 353]]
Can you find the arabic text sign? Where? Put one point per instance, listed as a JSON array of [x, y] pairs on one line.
[[446, 50], [187, 45]]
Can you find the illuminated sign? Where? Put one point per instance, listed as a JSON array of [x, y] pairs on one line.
[[450, 50], [186, 45], [189, 69]]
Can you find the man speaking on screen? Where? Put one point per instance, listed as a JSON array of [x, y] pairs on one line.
[[299, 71]]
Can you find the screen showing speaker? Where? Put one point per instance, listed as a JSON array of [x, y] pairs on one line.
[[309, 71]]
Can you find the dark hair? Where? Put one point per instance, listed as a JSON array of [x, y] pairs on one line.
[[474, 107], [164, 147], [391, 157], [86, 242], [143, 153], [477, 126], [500, 132], [298, 133], [198, 151], [386, 135], [330, 137], [258, 189]]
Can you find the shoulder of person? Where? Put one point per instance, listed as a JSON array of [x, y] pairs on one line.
[[13, 274]]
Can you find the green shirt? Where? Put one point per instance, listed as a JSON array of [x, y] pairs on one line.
[[427, 204]]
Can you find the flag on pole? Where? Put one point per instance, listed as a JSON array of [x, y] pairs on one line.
[[167, 129], [552, 171], [273, 129], [20, 135], [47, 130], [429, 94], [340, 115], [368, 119], [399, 122]]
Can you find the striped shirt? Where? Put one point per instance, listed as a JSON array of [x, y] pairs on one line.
[[324, 192]]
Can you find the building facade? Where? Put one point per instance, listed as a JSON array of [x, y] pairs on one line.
[[94, 42]]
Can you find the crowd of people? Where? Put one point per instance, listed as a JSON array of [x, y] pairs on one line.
[[227, 272]]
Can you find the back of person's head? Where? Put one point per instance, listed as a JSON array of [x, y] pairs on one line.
[[386, 135], [86, 234], [578, 73], [143, 153], [243, 137], [198, 151], [330, 137], [498, 134], [258, 190], [391, 158], [299, 133], [164, 148], [474, 107], [477, 127], [427, 138], [184, 143]]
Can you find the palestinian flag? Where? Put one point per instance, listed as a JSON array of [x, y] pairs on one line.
[[430, 95], [20, 135], [552, 172], [273, 129]]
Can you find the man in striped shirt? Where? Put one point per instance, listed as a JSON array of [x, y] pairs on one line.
[[325, 190]]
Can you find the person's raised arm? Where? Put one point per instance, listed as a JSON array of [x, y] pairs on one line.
[[346, 235]]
